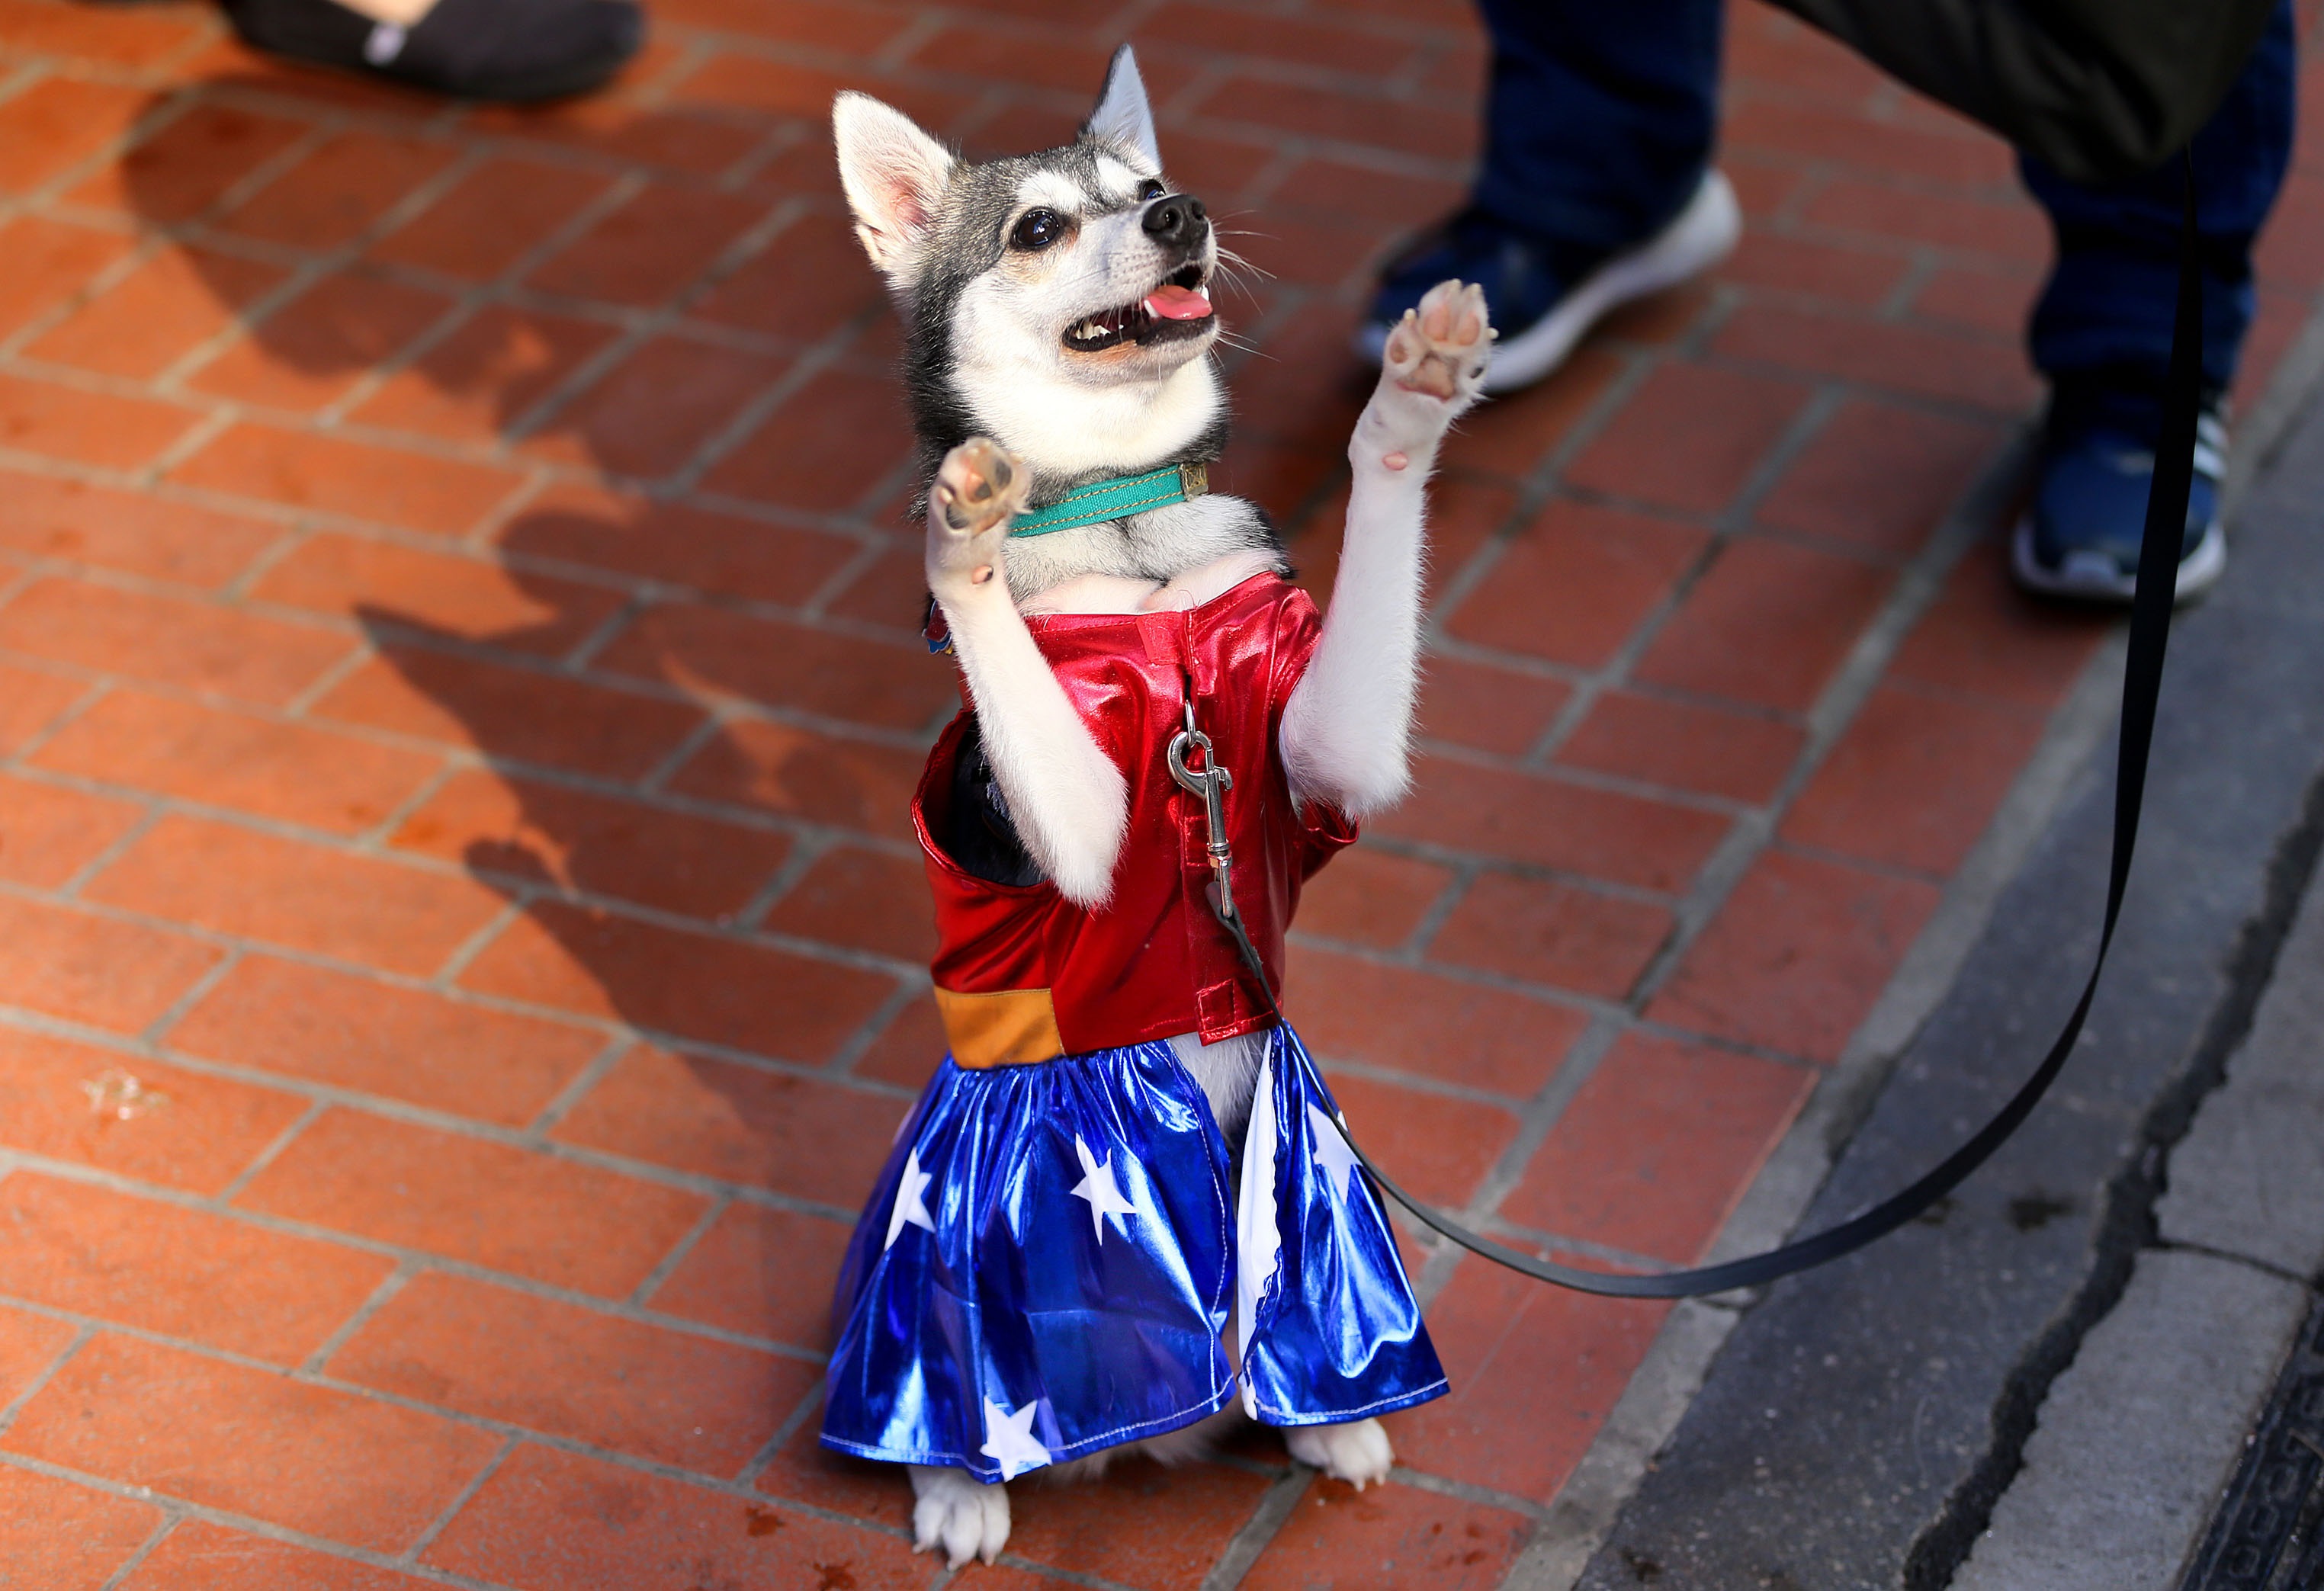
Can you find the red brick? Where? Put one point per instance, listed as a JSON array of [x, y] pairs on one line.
[[865, 899], [1986, 300], [59, 122], [47, 834], [891, 591], [78, 523], [1984, 637], [1284, 479], [2288, 248], [30, 701], [1339, 43], [805, 1471], [1396, 1535], [615, 125], [171, 304], [509, 1210], [1404, 1019], [311, 351], [189, 164], [60, 1536], [198, 1556], [478, 380], [2012, 229], [497, 212], [95, 969], [405, 1044], [516, 714], [772, 661], [571, 1372], [1797, 955], [1656, 1148], [289, 772], [1551, 822], [1139, 1524], [784, 88], [830, 443], [710, 552], [188, 644], [385, 581], [906, 1049], [29, 1345], [1397, 124], [850, 30], [809, 279], [1778, 50], [674, 861], [386, 485], [180, 1272], [1767, 624], [1368, 896], [1880, 475], [1490, 709], [1546, 933], [740, 1124], [649, 248], [1882, 148], [850, 784], [1658, 321], [761, 1272], [548, 1521], [1440, 1148], [1689, 438], [343, 186], [1685, 745], [1575, 583], [1775, 263], [48, 262], [326, 1462], [1914, 780], [81, 427], [651, 413], [109, 38], [233, 881], [1937, 363], [1534, 1371]]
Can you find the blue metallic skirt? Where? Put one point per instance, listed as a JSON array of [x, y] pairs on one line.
[[1049, 1261]]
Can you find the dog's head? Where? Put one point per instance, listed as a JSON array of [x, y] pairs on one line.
[[1057, 301]]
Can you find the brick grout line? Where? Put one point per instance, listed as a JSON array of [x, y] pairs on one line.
[[267, 1155], [161, 1532], [391, 1284], [435, 1527], [686, 1245], [33, 1388], [1273, 1511], [592, 1073]]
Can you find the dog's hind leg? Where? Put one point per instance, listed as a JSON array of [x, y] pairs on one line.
[[954, 1511], [1346, 728], [1067, 800], [1357, 1452]]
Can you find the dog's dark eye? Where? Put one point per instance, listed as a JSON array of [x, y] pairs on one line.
[[1037, 229], [1150, 190]]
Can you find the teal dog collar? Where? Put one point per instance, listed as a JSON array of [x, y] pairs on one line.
[[1116, 499]]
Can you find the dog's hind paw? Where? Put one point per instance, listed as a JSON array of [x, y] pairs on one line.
[[1357, 1452], [959, 1514], [978, 490]]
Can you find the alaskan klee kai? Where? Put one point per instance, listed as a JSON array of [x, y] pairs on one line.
[[997, 1315]]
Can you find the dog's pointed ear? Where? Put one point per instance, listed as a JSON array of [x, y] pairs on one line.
[[894, 174], [1122, 117]]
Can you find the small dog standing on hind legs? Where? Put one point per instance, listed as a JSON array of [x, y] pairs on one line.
[[1047, 1267]]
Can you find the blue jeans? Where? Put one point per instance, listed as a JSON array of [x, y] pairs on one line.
[[1600, 118]]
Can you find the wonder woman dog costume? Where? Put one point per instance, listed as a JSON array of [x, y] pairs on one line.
[[1047, 1263]]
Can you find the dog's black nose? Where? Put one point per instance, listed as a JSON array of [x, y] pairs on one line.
[[1178, 219]]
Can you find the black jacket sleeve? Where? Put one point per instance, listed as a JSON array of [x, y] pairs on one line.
[[2101, 89]]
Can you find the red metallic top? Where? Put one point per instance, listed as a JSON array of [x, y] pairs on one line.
[[1154, 961]]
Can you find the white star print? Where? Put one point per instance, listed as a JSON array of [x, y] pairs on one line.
[[1009, 1438], [1097, 1185], [1331, 1150], [909, 1209]]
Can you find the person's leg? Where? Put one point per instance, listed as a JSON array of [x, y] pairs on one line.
[[2101, 330], [1595, 185]]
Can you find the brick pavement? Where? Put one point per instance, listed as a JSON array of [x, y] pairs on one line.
[[459, 947]]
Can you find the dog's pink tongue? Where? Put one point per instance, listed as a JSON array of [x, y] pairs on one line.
[[1178, 303]]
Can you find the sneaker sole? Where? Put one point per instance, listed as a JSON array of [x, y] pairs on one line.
[[2198, 571], [1700, 237]]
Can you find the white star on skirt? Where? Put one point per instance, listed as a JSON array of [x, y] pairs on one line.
[[1331, 1150], [1009, 1438], [1097, 1186], [908, 1210]]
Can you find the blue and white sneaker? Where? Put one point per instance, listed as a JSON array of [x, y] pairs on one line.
[[1543, 297], [2080, 536]]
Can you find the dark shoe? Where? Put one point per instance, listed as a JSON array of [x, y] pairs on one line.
[[2080, 536], [1543, 297], [500, 49]]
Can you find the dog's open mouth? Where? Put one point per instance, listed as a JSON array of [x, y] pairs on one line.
[[1178, 307]]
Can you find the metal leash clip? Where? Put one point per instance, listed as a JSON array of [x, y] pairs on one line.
[[1211, 783]]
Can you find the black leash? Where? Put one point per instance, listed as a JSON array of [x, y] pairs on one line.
[[2150, 633]]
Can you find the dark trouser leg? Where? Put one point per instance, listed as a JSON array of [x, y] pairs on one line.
[[1600, 116], [2105, 317]]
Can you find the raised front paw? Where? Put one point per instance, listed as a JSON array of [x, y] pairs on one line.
[[1357, 1452], [978, 490], [1440, 347], [959, 1514]]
